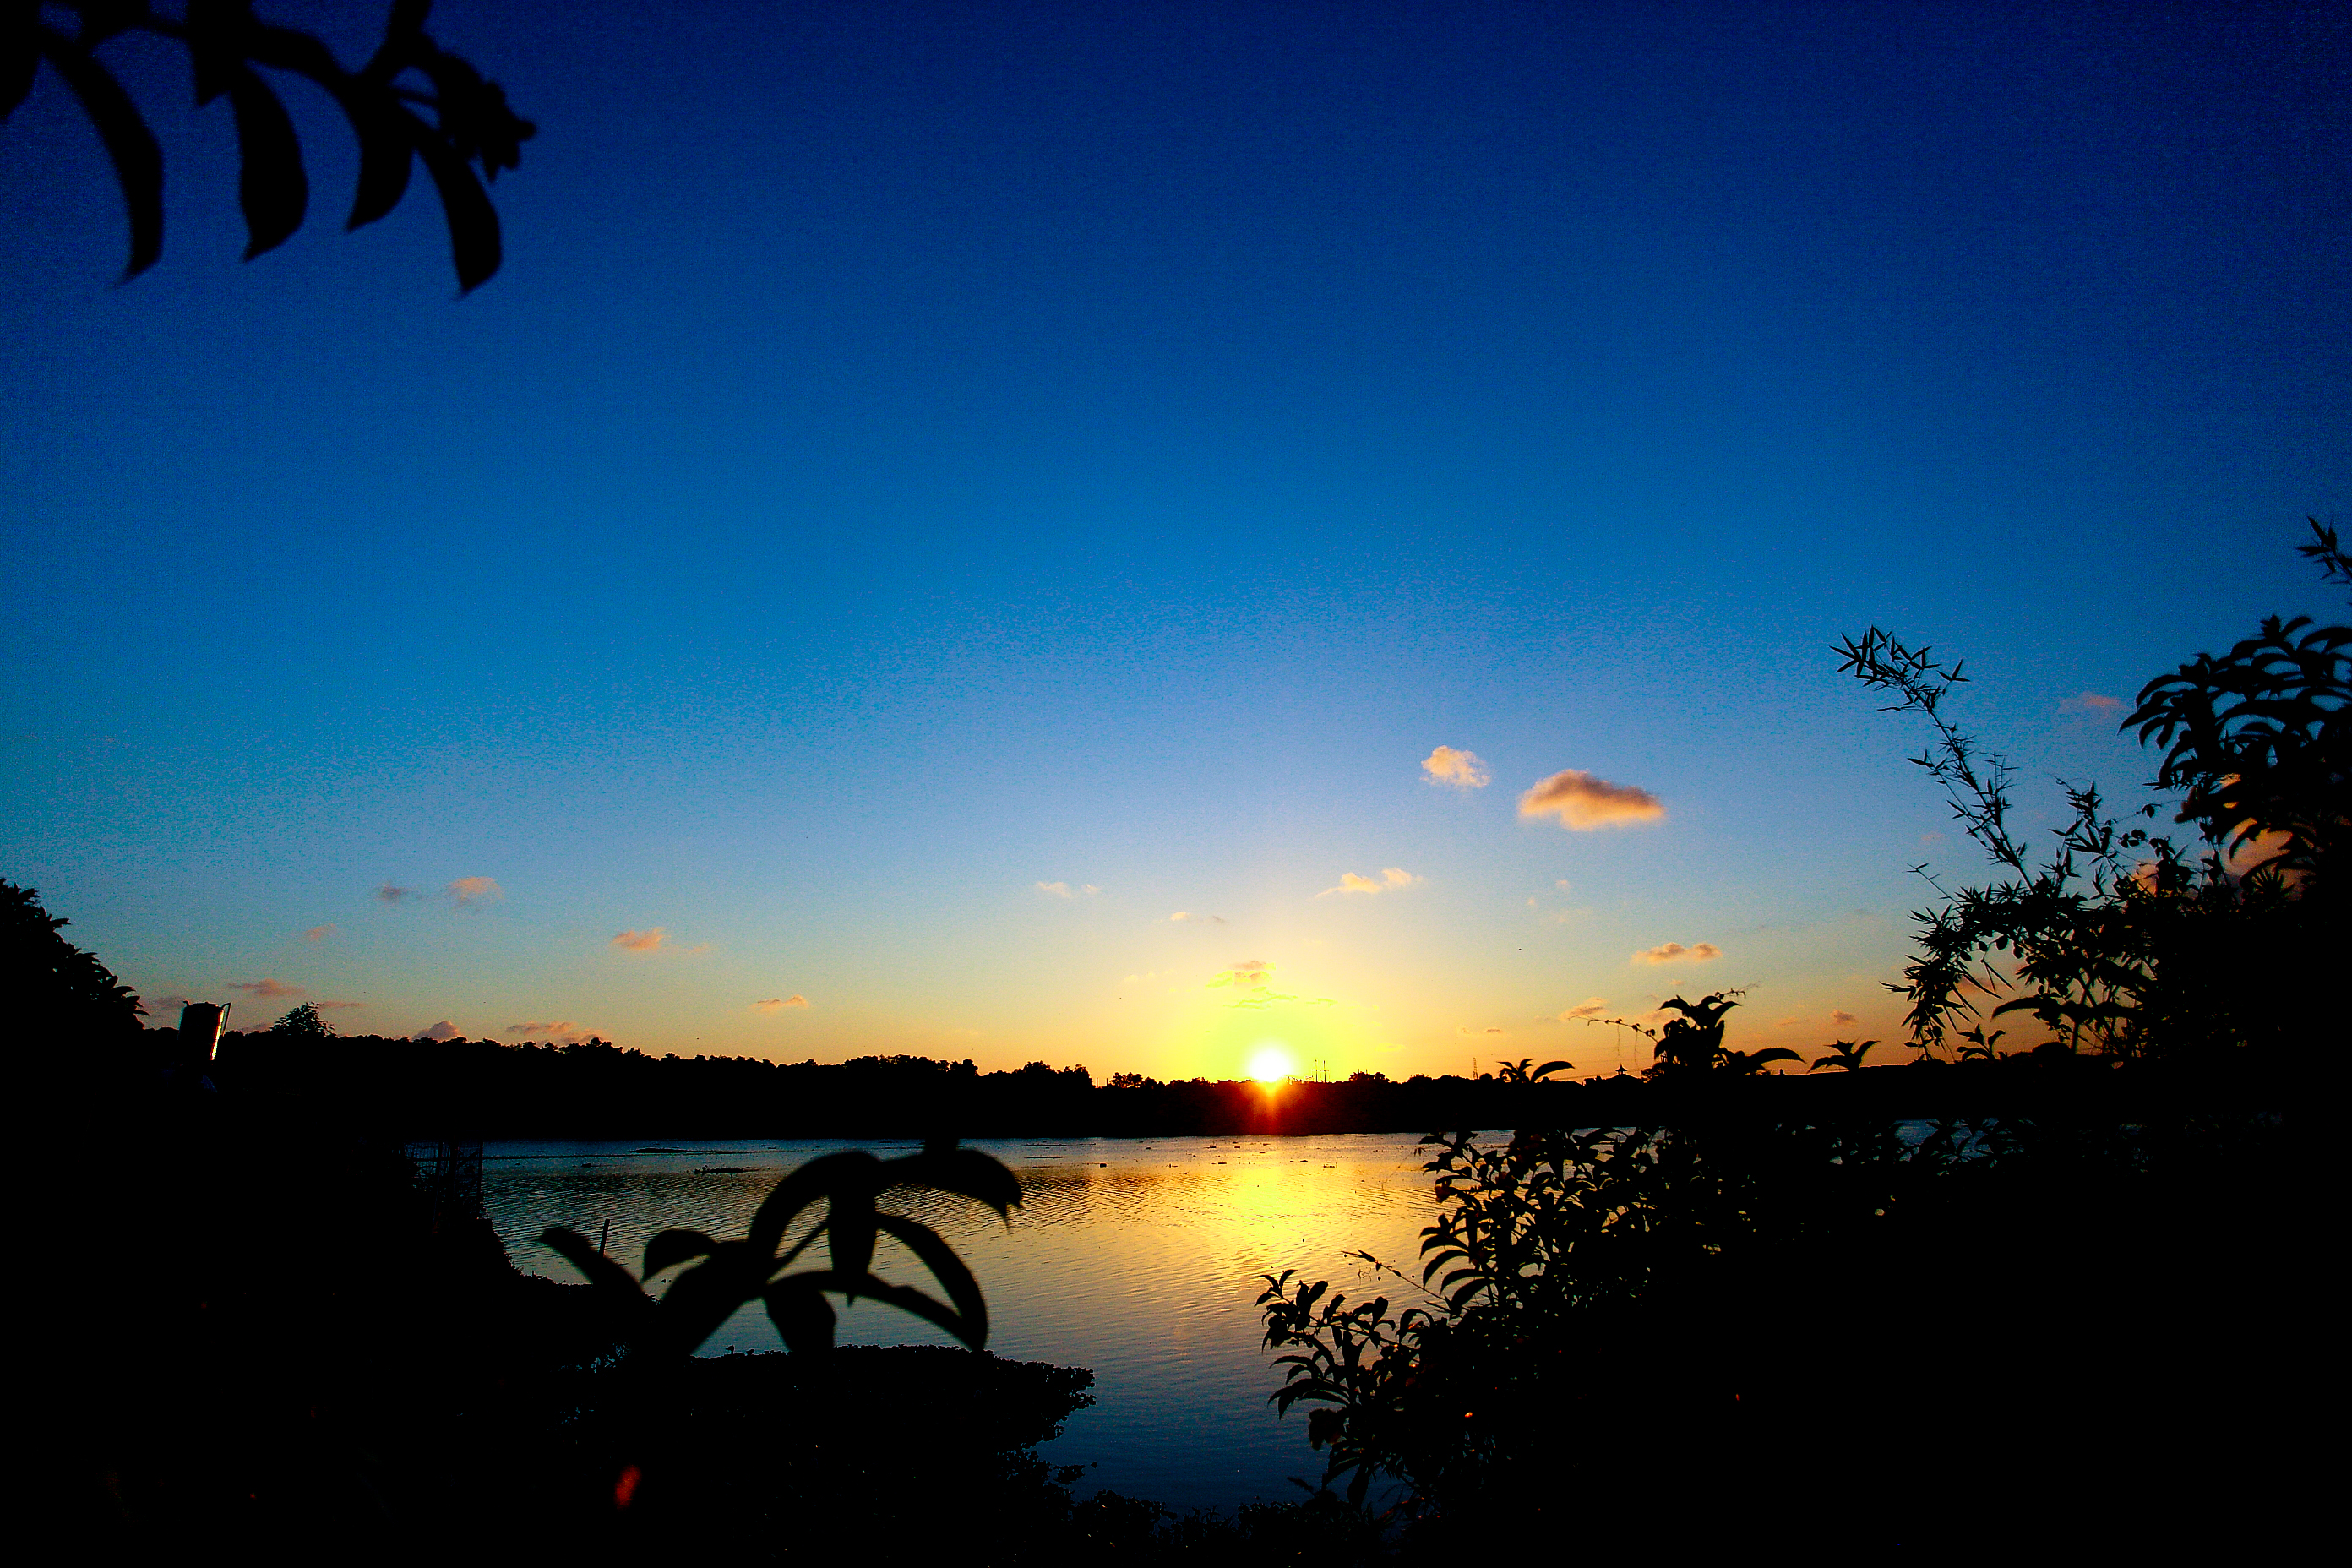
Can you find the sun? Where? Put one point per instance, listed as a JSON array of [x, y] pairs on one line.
[[1271, 1063]]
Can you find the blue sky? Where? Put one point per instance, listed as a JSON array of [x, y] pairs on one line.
[[915, 453]]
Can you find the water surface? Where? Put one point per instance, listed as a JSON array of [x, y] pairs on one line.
[[1139, 1258]]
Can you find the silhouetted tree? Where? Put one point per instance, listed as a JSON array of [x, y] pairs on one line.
[[2260, 739], [61, 994], [228, 47], [303, 1022]]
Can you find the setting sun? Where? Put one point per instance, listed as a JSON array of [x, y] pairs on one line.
[[1270, 1063]]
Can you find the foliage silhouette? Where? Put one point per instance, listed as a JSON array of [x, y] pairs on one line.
[[1690, 1047], [731, 1274], [1539, 1240], [228, 47], [62, 993], [2258, 739], [304, 1021], [1842, 1054], [2117, 942]]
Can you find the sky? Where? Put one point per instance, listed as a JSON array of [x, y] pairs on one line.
[[988, 530]]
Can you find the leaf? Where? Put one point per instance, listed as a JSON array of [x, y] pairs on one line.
[[967, 1171], [474, 245], [600, 1270], [849, 1225], [1550, 1067], [129, 145], [945, 1265], [802, 1187], [386, 154], [270, 185], [20, 56], [802, 1315], [672, 1248]]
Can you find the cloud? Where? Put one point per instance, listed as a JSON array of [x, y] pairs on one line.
[[648, 941], [1843, 1017], [465, 892], [1064, 890], [318, 933], [444, 1030], [1583, 803], [1463, 770], [1590, 1007], [1252, 978], [1182, 915], [264, 990], [559, 1032], [1674, 953], [389, 894], [2090, 702], [1392, 878], [323, 1007], [778, 1003], [1466, 1029]]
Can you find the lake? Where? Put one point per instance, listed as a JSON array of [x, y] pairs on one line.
[[1138, 1258]]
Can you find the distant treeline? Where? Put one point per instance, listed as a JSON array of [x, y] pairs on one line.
[[433, 1089]]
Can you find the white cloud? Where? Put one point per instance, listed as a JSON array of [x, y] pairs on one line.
[[1463, 770], [466, 893], [1392, 878], [1590, 1007], [1064, 890], [650, 939], [1181, 916], [778, 1003], [444, 1030], [1676, 953], [1583, 803]]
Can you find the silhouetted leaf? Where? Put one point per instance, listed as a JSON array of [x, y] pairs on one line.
[[600, 1270], [849, 1225], [945, 1265], [474, 243], [675, 1247], [20, 56], [386, 156], [137, 161], [802, 1187], [803, 1317], [270, 186], [967, 1171]]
